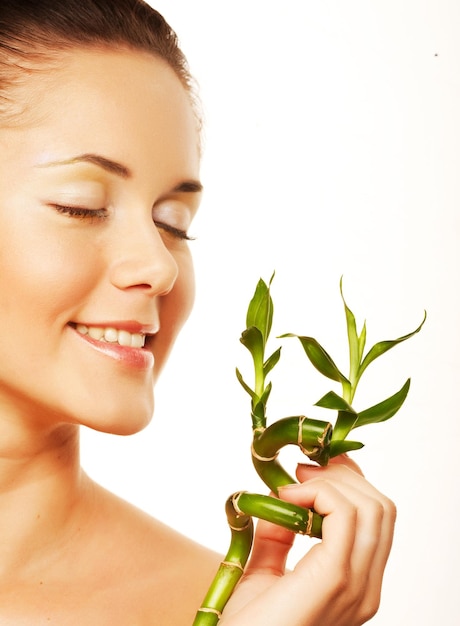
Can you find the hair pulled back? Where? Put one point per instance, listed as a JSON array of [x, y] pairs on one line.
[[34, 33]]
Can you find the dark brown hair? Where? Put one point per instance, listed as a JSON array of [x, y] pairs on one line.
[[34, 33]]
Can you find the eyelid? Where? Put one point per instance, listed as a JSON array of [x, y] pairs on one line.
[[174, 216], [77, 211], [176, 232]]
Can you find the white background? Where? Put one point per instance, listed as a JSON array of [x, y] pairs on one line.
[[332, 147]]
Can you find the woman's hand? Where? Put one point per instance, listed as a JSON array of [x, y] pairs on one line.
[[338, 581]]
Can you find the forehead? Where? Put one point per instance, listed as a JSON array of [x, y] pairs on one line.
[[124, 103]]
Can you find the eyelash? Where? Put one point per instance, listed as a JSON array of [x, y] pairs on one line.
[[82, 213], [176, 232]]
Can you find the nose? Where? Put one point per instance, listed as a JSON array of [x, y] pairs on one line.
[[142, 261]]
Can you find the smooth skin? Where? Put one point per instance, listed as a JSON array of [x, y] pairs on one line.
[[99, 182]]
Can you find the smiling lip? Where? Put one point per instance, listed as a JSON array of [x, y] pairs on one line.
[[122, 341]]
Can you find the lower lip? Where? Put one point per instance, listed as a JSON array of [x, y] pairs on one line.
[[138, 358]]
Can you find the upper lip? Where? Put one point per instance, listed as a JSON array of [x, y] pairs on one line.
[[131, 326]]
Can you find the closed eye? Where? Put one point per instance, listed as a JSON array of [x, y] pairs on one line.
[[172, 230], [80, 212]]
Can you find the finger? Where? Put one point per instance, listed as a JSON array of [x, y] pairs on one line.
[[375, 525], [339, 516], [270, 550], [345, 473], [304, 470], [344, 459]]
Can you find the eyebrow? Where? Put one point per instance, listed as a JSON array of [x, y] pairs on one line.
[[107, 164], [113, 167]]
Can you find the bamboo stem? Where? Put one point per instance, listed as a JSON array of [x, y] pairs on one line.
[[231, 568], [290, 516], [313, 437]]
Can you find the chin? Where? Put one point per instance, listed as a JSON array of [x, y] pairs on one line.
[[124, 427], [120, 420]]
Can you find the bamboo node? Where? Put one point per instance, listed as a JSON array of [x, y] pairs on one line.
[[302, 418], [309, 523], [205, 609], [233, 565], [309, 452], [235, 498], [266, 459], [325, 435], [240, 529]]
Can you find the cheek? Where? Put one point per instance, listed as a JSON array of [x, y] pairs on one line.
[[41, 276]]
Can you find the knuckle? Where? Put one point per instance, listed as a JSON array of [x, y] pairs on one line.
[[390, 509], [369, 607], [340, 582]]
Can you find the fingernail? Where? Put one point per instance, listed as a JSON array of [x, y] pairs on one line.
[[290, 486], [309, 466]]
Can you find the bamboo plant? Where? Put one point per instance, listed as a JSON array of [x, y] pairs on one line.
[[318, 440]]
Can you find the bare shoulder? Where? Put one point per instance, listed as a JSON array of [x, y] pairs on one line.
[[165, 574]]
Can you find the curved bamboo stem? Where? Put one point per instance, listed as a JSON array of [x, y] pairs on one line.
[[312, 436]]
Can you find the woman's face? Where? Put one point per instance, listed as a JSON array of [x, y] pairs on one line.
[[96, 279]]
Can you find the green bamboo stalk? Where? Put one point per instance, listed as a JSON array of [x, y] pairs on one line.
[[231, 568], [290, 516], [310, 435]]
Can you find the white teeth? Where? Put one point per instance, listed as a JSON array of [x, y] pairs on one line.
[[137, 341], [112, 335], [124, 338], [95, 333]]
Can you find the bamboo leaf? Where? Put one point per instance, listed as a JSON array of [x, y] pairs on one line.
[[353, 340], [252, 339], [260, 310], [342, 446], [383, 346], [266, 393], [335, 402], [272, 361], [245, 386], [344, 423], [383, 410], [320, 358], [362, 342]]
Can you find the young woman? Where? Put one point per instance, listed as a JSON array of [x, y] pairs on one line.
[[100, 157]]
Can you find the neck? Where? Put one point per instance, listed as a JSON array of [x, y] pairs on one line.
[[41, 486]]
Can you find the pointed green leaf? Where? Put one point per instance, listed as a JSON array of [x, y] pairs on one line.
[[383, 346], [266, 393], [272, 361], [320, 358], [344, 423], [245, 386], [252, 339], [361, 342], [383, 410], [335, 402], [260, 310], [353, 341], [342, 446]]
